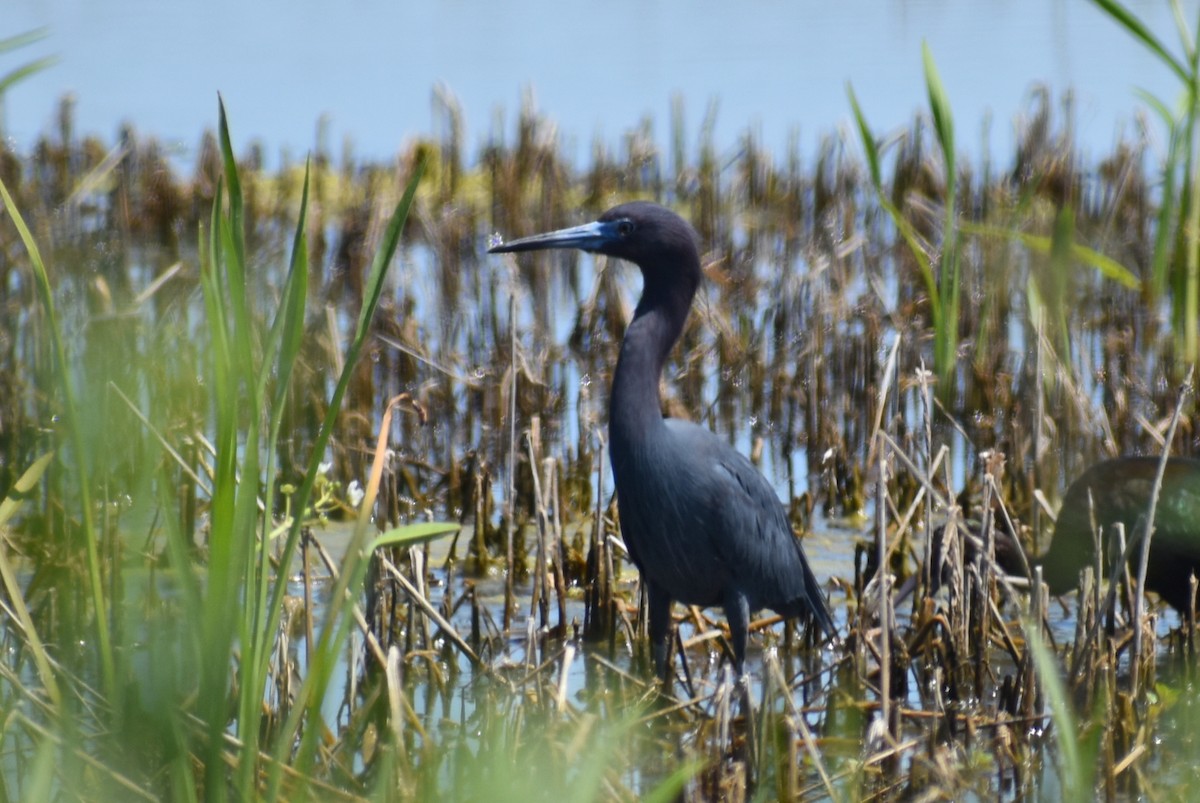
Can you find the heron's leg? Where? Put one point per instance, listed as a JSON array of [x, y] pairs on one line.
[[737, 614], [660, 627]]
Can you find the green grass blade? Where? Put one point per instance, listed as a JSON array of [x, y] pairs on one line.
[[945, 335], [870, 147], [234, 507], [234, 233], [1108, 267], [1075, 779], [41, 783], [413, 534], [234, 188], [939, 106], [78, 448], [1165, 218], [1185, 36], [8, 44], [324, 657], [16, 596], [1129, 21], [1062, 248], [1186, 324], [280, 353], [672, 787], [1157, 106], [911, 239], [14, 77], [24, 485], [287, 331], [903, 226], [214, 637]]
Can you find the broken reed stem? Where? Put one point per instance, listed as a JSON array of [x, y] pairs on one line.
[[397, 700], [482, 489], [984, 595], [372, 642], [568, 658], [1033, 690], [558, 550], [882, 577], [416, 558], [305, 541], [1039, 414], [1010, 526], [877, 455], [923, 378], [797, 722], [538, 603], [1120, 558], [959, 602], [1139, 597], [429, 609], [510, 491], [597, 612]]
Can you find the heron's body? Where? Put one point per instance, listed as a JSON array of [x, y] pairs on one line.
[[1118, 491], [702, 525]]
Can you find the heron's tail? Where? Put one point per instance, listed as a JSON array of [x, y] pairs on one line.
[[818, 609]]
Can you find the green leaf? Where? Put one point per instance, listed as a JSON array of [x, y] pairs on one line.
[[1108, 267], [313, 687], [10, 79], [70, 400], [1135, 26], [287, 331], [22, 39], [939, 106], [233, 238], [413, 534], [16, 596], [24, 485], [1157, 106], [870, 148], [383, 256], [1075, 778]]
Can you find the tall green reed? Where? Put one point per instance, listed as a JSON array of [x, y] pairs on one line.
[[16, 75], [78, 453], [940, 272], [1176, 256], [8, 508], [248, 418], [194, 673], [1075, 755]]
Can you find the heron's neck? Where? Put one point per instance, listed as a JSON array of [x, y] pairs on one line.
[[635, 409], [1070, 551]]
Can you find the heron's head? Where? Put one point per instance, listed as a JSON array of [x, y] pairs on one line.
[[652, 237]]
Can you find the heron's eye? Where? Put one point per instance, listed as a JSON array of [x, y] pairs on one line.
[[625, 228]]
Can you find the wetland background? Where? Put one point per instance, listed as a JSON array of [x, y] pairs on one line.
[[194, 406]]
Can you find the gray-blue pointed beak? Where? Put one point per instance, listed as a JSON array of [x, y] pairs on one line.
[[588, 237]]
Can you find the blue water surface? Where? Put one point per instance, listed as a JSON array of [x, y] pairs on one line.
[[368, 67]]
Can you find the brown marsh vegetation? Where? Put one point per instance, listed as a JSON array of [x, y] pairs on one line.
[[509, 659]]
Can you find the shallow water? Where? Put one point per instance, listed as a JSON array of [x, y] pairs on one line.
[[776, 68]]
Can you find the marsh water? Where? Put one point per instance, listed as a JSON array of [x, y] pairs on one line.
[[810, 348], [779, 69]]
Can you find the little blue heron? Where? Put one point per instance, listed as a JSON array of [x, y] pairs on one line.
[[701, 523], [1118, 490], [1112, 492]]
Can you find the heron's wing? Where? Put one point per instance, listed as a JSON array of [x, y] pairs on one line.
[[1119, 491], [749, 529], [1177, 517]]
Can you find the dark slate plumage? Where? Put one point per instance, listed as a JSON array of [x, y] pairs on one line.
[[1120, 492], [702, 524]]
